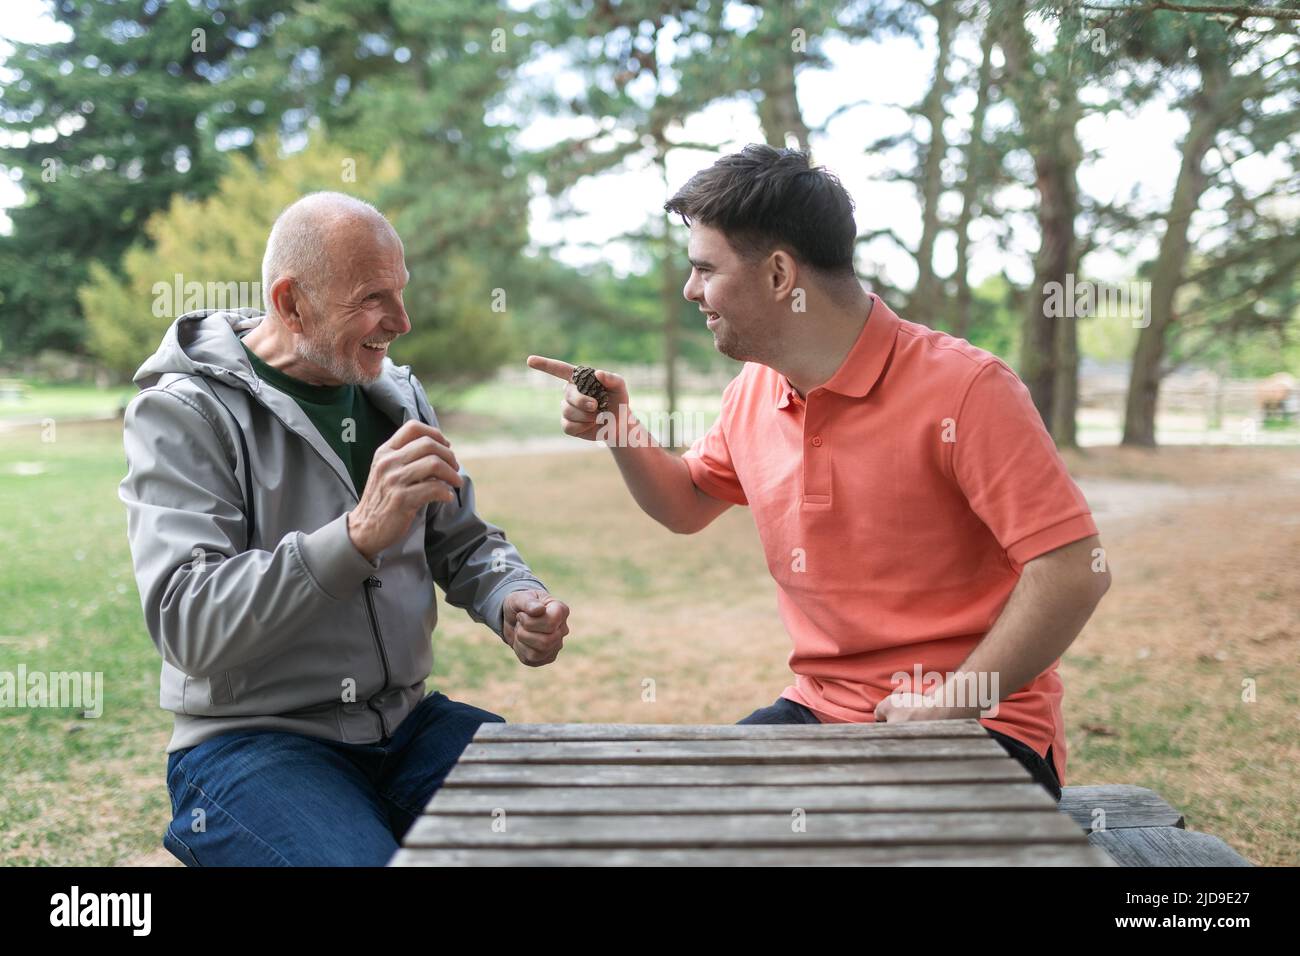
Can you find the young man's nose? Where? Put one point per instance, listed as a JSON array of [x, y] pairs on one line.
[[690, 291]]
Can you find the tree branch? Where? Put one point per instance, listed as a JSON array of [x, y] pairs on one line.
[[1276, 13]]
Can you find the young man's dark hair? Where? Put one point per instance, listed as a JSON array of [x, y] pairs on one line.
[[763, 198]]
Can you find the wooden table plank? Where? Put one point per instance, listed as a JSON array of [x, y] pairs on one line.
[[1165, 846], [780, 799], [744, 829], [929, 793], [1124, 805], [991, 769], [730, 751], [968, 854], [507, 733]]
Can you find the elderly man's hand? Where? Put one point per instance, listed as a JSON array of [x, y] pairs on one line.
[[535, 625], [415, 467]]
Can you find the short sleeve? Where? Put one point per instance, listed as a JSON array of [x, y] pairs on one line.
[[709, 457], [1007, 465]]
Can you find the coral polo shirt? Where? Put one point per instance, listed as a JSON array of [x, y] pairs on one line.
[[897, 504]]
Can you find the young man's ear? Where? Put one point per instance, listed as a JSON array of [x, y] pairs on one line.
[[782, 274]]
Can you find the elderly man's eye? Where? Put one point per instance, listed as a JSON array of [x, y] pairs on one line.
[[375, 295]]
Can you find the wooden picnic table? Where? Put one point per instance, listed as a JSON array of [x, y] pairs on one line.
[[929, 793]]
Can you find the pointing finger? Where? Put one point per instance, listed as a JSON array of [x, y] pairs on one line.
[[561, 370]]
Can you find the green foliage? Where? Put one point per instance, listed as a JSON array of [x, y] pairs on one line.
[[995, 319], [1107, 338], [217, 240], [140, 103], [455, 337], [148, 122], [596, 317]]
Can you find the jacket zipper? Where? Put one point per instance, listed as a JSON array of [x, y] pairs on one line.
[[374, 582], [375, 632], [371, 581]]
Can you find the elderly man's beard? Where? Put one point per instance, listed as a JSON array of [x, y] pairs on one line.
[[320, 351]]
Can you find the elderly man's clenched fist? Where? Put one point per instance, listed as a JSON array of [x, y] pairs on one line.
[[535, 625]]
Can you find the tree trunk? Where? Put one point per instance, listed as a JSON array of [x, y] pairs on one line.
[[778, 109], [1144, 380], [1065, 370], [925, 303], [975, 169], [1048, 108]]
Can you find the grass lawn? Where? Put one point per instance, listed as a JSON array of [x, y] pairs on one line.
[[1205, 596], [65, 402]]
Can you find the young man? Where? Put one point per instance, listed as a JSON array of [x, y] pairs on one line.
[[914, 512]]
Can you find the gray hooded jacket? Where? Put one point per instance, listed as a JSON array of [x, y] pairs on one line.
[[265, 614]]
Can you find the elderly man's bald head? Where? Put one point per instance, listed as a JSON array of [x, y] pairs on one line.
[[332, 277], [310, 233]]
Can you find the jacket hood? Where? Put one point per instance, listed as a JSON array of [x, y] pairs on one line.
[[205, 342]]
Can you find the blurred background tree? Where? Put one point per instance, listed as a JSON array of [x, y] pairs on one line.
[[147, 100], [216, 239], [148, 110]]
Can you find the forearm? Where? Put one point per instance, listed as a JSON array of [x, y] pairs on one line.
[[481, 582], [472, 560], [1048, 608], [659, 481]]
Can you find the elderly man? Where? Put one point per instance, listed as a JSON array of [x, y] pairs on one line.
[[291, 503], [933, 558]]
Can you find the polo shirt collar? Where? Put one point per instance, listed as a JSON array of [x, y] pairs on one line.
[[862, 367]]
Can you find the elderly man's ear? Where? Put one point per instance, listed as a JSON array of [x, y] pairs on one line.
[[287, 297]]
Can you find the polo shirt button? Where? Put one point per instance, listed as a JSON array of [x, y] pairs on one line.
[[817, 441]]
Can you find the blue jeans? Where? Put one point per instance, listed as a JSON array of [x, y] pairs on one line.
[[269, 798], [786, 711]]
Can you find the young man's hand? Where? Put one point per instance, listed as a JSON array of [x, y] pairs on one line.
[[535, 625], [578, 412], [900, 707]]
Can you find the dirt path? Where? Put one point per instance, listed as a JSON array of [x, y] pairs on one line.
[[1125, 499]]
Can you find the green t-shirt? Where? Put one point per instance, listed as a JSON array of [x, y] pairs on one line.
[[329, 407]]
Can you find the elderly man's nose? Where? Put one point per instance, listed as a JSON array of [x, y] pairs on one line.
[[401, 321]]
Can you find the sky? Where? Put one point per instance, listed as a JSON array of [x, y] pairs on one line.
[[1137, 151]]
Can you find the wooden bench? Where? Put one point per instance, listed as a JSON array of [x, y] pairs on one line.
[[927, 793], [1136, 827]]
